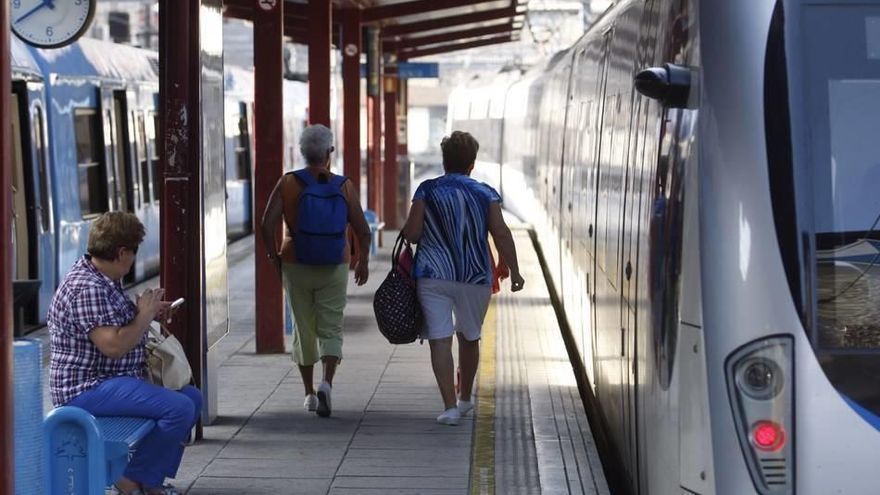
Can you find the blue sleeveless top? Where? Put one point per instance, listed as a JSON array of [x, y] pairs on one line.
[[454, 244]]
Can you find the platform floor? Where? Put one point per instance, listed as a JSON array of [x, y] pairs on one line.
[[529, 434]]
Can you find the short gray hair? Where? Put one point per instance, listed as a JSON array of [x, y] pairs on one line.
[[314, 143]]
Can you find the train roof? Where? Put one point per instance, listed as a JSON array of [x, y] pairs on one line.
[[100, 59], [23, 63]]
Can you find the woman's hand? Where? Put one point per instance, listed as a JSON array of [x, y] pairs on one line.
[[361, 272], [166, 313], [150, 303], [516, 282]]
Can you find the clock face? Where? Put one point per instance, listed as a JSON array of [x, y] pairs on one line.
[[50, 23]]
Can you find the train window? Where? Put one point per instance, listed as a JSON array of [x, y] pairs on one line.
[[152, 126], [140, 136], [39, 139], [242, 146], [90, 163]]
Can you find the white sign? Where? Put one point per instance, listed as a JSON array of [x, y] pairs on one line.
[[351, 49], [267, 4]]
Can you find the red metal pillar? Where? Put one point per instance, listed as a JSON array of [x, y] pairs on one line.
[[351, 89], [351, 95], [320, 30], [391, 175], [269, 155], [180, 148], [403, 150], [6, 427], [374, 123]]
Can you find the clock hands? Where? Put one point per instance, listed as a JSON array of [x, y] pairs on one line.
[[44, 3]]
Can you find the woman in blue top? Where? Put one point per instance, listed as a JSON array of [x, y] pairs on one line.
[[450, 219]]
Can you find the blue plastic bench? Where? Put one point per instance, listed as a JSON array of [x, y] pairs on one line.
[[375, 227], [84, 454]]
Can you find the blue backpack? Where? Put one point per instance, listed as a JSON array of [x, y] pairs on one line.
[[321, 220]]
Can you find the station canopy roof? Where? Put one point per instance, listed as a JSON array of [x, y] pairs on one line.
[[412, 28]]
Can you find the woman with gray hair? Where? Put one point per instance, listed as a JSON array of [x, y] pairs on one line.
[[318, 208]]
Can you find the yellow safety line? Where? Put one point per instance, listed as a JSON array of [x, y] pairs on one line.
[[483, 456]]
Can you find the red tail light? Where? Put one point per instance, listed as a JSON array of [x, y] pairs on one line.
[[768, 436]]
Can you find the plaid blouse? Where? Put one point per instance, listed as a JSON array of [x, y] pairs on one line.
[[85, 300]]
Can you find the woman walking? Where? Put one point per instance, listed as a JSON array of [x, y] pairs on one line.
[[450, 219], [317, 207]]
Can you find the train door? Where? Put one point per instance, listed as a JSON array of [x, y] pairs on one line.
[[40, 211], [238, 170], [568, 167], [148, 262], [25, 283], [606, 343], [21, 237]]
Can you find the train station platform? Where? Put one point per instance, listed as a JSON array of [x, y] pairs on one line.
[[529, 433]]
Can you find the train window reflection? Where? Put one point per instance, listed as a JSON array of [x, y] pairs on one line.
[[91, 172], [846, 216]]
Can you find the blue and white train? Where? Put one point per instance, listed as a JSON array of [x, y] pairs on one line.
[[702, 176], [84, 131]]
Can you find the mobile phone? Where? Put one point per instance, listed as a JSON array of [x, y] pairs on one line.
[[176, 303]]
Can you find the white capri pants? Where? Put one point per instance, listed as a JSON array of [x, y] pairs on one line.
[[441, 299]]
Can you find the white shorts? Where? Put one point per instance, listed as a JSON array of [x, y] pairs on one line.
[[440, 299]]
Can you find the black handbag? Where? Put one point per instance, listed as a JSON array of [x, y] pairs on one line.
[[396, 304]]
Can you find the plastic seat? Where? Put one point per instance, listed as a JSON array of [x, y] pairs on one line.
[[85, 454]]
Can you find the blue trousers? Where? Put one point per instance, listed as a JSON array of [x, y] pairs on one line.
[[158, 455]]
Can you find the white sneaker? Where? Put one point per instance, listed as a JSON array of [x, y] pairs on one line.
[[311, 403], [323, 408], [449, 417], [465, 407]]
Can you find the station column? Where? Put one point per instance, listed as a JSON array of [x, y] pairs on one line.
[[351, 95], [191, 150], [391, 178], [6, 426], [269, 154], [374, 123], [320, 30]]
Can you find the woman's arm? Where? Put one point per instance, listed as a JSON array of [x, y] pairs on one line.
[[115, 342], [269, 224], [505, 245], [415, 222], [361, 228]]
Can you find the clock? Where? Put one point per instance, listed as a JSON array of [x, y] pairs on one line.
[[51, 23]]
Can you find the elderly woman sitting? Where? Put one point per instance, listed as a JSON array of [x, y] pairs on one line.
[[98, 358]]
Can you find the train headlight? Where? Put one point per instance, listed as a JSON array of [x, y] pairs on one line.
[[760, 385], [760, 378]]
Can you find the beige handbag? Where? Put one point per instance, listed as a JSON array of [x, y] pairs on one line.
[[166, 361]]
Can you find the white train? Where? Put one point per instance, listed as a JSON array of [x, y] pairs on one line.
[[702, 176]]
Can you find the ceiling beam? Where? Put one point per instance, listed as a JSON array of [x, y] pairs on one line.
[[464, 34], [454, 47], [241, 9], [383, 12], [446, 22]]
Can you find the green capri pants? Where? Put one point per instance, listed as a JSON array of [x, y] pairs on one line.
[[317, 295]]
